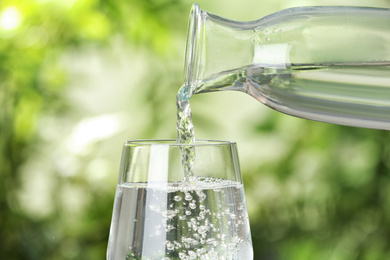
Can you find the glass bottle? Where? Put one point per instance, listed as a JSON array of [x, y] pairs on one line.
[[329, 64]]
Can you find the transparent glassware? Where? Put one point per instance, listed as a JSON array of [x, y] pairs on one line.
[[159, 215], [329, 64]]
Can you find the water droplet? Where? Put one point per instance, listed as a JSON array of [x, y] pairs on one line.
[[169, 228], [192, 254], [170, 246], [188, 196], [192, 205], [202, 196], [169, 214], [177, 198], [203, 229]]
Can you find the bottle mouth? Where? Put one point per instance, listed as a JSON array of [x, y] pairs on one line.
[[190, 63]]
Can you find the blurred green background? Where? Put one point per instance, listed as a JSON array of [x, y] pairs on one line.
[[80, 77]]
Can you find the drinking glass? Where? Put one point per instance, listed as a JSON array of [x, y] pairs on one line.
[[159, 214]]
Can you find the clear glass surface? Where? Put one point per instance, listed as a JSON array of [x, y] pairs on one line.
[[159, 215], [329, 63]]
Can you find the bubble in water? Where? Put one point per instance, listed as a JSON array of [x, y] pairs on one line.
[[192, 254], [182, 256], [177, 198], [189, 241], [177, 244], [169, 228], [200, 252], [193, 221], [202, 195], [212, 241], [203, 229], [169, 214], [188, 196], [192, 205], [170, 246]]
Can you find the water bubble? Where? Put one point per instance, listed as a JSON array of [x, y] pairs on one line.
[[183, 256], [188, 212], [170, 246], [169, 228], [192, 205], [169, 214], [212, 241], [203, 229], [201, 251], [201, 215], [202, 196], [192, 254], [188, 241], [202, 207], [177, 198], [193, 223], [188, 196]]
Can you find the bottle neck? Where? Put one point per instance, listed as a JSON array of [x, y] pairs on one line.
[[215, 45]]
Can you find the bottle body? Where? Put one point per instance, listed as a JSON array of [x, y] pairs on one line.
[[329, 64]]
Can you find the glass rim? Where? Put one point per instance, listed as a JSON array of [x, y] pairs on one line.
[[173, 142]]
